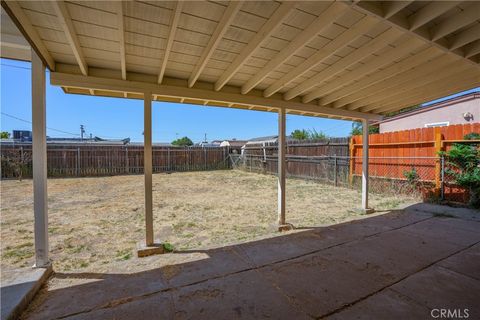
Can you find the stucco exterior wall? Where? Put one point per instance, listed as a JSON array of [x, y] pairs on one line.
[[452, 113]]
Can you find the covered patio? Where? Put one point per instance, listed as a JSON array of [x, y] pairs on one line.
[[352, 60]]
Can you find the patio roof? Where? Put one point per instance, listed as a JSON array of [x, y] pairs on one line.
[[349, 60]]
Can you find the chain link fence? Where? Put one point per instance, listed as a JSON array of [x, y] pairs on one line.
[[426, 178]]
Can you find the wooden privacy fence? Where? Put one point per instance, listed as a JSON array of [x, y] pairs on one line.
[[326, 160], [395, 155], [66, 160]]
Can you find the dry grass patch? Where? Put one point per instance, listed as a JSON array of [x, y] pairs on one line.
[[95, 223]]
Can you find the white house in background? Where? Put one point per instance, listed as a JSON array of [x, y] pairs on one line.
[[459, 110]]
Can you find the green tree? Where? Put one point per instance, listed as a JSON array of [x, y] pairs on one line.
[[463, 163], [316, 135], [4, 135], [299, 134], [184, 142], [357, 129], [308, 135]]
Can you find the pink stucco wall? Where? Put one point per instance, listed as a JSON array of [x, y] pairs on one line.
[[449, 111]]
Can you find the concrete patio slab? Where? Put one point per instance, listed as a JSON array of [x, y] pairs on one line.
[[451, 230], [90, 291], [157, 306], [391, 253], [219, 262], [18, 289], [440, 288], [319, 286], [466, 262], [400, 265], [386, 304], [245, 295]]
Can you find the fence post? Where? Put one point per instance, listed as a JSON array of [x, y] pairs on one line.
[[438, 167], [442, 189], [335, 169], [168, 159], [205, 158], [127, 164], [78, 161], [352, 163]]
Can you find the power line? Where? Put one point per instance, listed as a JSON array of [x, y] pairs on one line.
[[13, 66], [53, 129]]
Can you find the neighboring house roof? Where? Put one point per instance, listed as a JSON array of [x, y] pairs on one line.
[[233, 143], [263, 139], [437, 105]]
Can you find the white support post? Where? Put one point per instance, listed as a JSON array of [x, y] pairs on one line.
[[147, 167], [39, 158], [281, 168], [365, 166]]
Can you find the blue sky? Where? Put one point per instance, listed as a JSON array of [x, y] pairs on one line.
[[122, 118]]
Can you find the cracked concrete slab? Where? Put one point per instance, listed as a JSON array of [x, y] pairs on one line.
[[386, 304], [466, 262]]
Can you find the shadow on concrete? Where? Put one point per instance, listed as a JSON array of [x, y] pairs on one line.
[[310, 273]]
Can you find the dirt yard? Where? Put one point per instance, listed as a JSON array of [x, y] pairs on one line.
[[97, 222]]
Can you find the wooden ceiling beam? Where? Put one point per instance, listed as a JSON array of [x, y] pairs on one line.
[[401, 22], [447, 64], [464, 83], [366, 50], [452, 24], [66, 23], [354, 91], [121, 38], [215, 39], [203, 91], [264, 33], [326, 18], [171, 36], [472, 49], [391, 8], [466, 37], [430, 12], [423, 92], [353, 33], [391, 54], [23, 23]]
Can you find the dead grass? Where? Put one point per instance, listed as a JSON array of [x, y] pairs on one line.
[[96, 222]]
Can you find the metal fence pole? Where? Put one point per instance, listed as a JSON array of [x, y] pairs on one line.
[[442, 178]]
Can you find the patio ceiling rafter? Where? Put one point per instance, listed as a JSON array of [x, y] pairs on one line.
[[220, 30], [357, 30], [171, 36], [391, 86], [121, 39], [29, 31], [366, 50], [277, 18], [433, 35], [67, 25], [334, 11]]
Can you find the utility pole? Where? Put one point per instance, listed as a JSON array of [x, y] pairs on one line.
[[82, 131], [205, 139]]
